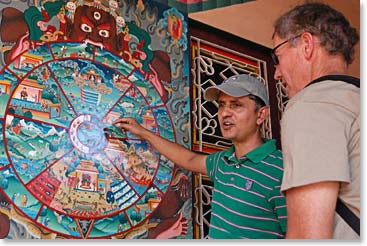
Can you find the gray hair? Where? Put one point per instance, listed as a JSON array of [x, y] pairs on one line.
[[329, 25]]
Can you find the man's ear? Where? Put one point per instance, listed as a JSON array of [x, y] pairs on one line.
[[308, 44], [262, 114]]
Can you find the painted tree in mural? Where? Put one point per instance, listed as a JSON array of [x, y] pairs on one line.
[[69, 69]]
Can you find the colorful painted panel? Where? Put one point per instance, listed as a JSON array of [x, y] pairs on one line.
[[191, 6], [65, 170]]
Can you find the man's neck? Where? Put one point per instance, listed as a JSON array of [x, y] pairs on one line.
[[242, 148], [330, 66]]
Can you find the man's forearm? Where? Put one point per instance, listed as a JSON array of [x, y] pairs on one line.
[[176, 153]]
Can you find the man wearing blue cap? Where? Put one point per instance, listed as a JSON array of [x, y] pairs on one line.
[[246, 200]]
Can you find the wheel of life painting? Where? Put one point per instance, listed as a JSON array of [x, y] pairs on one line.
[[67, 161]]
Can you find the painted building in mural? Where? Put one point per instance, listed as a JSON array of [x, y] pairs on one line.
[[68, 70]]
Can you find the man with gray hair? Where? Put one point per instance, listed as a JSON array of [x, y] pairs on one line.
[[246, 200], [314, 44]]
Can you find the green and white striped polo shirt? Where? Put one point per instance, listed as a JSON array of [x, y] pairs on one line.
[[247, 202]]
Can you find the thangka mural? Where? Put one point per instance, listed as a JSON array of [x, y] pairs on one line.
[[190, 6], [68, 70]]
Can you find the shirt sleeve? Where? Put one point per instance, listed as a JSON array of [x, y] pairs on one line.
[[314, 144]]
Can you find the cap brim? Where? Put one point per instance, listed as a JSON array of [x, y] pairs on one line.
[[212, 93]]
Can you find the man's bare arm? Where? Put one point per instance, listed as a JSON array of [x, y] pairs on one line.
[[176, 153], [311, 210]]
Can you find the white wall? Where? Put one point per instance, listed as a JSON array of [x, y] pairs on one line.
[[254, 20]]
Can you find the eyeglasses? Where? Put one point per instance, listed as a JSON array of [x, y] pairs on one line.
[[272, 53]]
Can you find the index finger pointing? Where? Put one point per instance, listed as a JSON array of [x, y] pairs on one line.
[[119, 121]]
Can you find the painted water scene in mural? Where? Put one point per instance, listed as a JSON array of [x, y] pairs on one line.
[[70, 69]]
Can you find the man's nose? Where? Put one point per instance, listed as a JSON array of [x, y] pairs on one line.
[[277, 74], [225, 111]]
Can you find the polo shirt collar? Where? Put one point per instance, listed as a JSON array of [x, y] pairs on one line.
[[256, 155]]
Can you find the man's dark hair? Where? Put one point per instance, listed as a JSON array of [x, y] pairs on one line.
[[258, 102], [329, 25]]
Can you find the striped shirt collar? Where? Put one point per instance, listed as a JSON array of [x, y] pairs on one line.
[[256, 155]]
